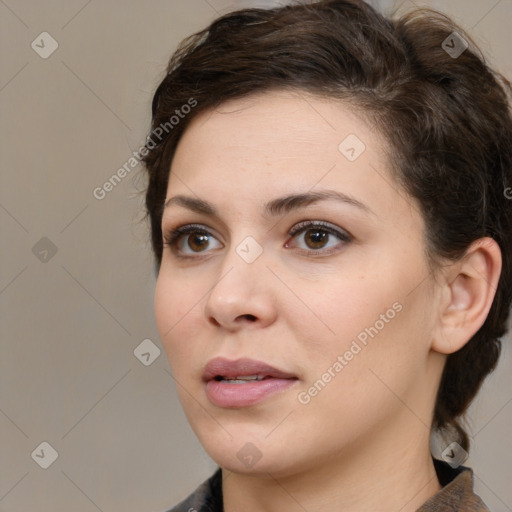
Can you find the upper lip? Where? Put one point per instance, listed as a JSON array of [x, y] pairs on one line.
[[230, 369]]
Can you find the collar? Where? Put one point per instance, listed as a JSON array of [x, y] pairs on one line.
[[456, 494]]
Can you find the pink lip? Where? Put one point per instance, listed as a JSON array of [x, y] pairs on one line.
[[229, 369], [225, 394]]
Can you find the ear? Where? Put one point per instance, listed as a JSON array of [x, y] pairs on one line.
[[468, 287]]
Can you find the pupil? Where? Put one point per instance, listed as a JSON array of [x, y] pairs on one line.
[[316, 239], [197, 241]]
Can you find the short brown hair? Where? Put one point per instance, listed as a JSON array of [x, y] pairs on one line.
[[446, 117]]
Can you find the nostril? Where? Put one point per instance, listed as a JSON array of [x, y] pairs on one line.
[[215, 322], [251, 318]]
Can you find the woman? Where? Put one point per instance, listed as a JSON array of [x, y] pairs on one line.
[[332, 229]]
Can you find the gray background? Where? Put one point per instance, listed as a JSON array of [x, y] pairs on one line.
[[71, 319]]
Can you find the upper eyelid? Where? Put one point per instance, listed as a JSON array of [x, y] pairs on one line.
[[189, 226], [322, 224], [297, 226], [184, 229]]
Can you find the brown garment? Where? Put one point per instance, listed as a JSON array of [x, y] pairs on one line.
[[456, 495], [457, 492]]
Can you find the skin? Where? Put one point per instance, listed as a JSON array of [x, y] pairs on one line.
[[362, 442]]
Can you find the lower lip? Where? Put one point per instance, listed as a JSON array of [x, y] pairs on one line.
[[224, 394]]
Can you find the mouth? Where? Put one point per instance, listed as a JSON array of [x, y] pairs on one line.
[[241, 379], [243, 382], [242, 370]]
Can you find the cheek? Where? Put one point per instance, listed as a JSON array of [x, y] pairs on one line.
[[373, 322], [351, 385], [343, 307], [177, 314]]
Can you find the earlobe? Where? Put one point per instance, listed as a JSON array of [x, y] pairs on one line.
[[469, 289]]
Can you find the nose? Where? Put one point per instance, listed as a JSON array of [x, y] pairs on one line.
[[242, 296]]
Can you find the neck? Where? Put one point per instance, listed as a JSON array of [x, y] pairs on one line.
[[402, 478]]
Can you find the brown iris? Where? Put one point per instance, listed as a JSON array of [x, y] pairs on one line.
[[198, 241], [315, 238]]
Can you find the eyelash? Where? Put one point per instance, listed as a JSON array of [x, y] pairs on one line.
[[304, 226], [172, 237]]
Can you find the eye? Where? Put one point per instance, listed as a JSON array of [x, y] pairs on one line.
[[191, 239], [317, 236]]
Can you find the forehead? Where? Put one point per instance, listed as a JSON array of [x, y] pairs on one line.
[[287, 124], [276, 129], [280, 142]]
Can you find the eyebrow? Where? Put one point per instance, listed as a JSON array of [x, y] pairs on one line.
[[279, 206]]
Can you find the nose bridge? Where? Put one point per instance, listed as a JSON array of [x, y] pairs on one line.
[[239, 271], [242, 289]]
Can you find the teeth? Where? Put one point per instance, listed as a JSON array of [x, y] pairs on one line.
[[244, 378]]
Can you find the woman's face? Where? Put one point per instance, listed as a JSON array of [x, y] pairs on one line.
[[297, 250]]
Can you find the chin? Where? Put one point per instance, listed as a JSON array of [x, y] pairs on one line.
[[249, 454]]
